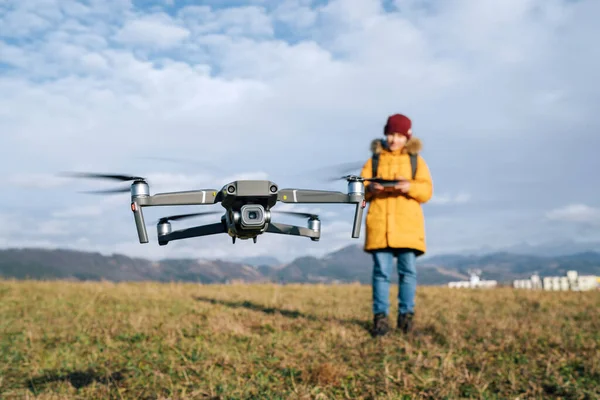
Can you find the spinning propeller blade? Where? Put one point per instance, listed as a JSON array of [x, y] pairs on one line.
[[338, 169], [108, 191], [116, 177], [345, 170], [377, 180]]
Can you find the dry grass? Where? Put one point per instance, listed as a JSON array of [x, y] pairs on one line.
[[159, 341]]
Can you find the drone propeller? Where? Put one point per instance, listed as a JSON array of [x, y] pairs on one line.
[[185, 216], [345, 173], [339, 169], [108, 191], [376, 179], [117, 177]]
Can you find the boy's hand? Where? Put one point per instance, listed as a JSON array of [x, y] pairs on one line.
[[402, 186], [375, 188]]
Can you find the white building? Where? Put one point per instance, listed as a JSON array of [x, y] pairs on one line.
[[473, 282], [582, 282], [533, 283], [572, 281]]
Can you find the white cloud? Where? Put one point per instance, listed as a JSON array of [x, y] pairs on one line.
[[243, 21], [84, 212], [35, 180], [575, 213], [295, 14], [275, 88], [157, 30], [460, 198]]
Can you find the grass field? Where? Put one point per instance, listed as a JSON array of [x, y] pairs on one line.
[[159, 341]]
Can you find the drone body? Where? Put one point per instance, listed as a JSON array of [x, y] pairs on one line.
[[248, 209]]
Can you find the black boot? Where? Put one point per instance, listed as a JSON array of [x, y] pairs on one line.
[[405, 322], [381, 326]]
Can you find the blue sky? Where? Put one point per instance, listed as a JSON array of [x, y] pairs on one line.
[[502, 94]]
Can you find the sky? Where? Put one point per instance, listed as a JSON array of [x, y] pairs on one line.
[[502, 95]]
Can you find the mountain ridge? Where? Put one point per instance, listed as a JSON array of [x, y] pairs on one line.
[[348, 264]]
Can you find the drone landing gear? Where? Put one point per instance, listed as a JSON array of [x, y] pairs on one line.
[[254, 239]]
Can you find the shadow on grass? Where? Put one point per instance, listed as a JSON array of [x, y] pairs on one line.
[[286, 313], [78, 379]]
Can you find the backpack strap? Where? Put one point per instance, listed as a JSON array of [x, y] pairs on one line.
[[413, 164], [374, 164]]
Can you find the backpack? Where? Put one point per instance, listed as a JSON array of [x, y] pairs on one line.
[[413, 164]]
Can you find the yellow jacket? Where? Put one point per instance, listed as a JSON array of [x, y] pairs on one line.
[[395, 220]]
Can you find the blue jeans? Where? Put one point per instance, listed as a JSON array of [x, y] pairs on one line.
[[407, 280]]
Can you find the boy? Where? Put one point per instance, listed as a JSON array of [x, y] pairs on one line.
[[395, 225]]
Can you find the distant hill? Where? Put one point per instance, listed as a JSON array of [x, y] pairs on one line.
[[349, 264], [504, 266], [553, 248], [78, 265], [259, 261]]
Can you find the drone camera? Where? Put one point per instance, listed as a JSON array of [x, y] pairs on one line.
[[253, 215]]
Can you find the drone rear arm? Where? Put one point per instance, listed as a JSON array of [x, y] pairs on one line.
[[355, 196], [203, 230], [275, 227]]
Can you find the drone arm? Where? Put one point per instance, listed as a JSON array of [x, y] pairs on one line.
[[358, 213], [138, 217], [312, 196], [203, 230], [193, 197], [275, 227], [325, 196]]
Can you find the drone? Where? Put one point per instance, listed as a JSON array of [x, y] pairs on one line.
[[248, 207]]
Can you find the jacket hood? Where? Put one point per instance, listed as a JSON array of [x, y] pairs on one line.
[[412, 146]]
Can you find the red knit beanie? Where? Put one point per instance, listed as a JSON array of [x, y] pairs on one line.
[[398, 123]]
